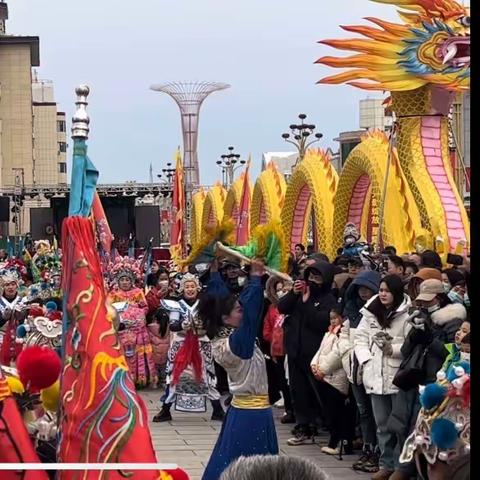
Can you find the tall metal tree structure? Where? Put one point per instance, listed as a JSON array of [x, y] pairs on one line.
[[189, 97]]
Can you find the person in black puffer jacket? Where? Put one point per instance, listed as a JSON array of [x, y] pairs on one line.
[[363, 287], [308, 308]]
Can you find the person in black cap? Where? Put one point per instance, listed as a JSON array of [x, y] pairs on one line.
[[233, 276]]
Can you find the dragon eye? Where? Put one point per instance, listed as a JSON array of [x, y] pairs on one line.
[[465, 21]]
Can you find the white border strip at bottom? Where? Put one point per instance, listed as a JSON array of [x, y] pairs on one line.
[[88, 466]]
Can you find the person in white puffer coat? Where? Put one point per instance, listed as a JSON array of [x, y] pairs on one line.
[[378, 341], [333, 390], [362, 289]]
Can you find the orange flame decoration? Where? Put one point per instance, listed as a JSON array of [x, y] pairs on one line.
[[404, 57]]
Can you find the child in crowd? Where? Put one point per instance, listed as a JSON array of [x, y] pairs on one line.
[[333, 389], [160, 339], [460, 349]]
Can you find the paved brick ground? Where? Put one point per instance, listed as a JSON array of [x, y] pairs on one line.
[[189, 439]]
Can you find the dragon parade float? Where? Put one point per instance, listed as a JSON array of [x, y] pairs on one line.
[[397, 189]]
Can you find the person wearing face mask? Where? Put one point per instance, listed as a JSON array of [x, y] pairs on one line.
[[157, 293], [452, 277], [275, 290], [307, 310], [190, 369], [352, 246], [360, 291], [454, 284], [413, 286], [436, 326], [233, 276]]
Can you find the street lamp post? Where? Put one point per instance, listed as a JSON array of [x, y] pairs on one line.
[[167, 175], [301, 136], [166, 178], [228, 164]]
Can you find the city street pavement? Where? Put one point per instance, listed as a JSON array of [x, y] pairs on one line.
[[189, 439]]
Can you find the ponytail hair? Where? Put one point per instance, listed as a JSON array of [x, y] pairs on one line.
[[211, 310]]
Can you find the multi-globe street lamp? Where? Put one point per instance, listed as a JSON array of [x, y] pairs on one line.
[[302, 136], [229, 163], [167, 175]]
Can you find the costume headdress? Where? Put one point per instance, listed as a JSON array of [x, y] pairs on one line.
[[46, 260], [442, 431], [125, 267], [189, 277], [17, 265], [8, 276]]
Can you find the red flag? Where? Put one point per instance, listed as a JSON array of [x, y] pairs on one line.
[[101, 224], [103, 419], [178, 211], [243, 228], [15, 444]]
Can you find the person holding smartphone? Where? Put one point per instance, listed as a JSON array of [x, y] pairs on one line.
[[307, 318], [377, 344]]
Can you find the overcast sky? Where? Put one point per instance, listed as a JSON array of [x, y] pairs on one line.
[[264, 48]]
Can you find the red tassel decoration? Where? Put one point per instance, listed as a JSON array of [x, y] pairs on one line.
[[466, 393], [189, 354], [38, 367], [10, 348]]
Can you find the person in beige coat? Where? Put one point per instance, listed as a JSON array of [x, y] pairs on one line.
[[333, 389], [378, 341]]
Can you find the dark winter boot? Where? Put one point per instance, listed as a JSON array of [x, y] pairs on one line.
[[164, 414], [218, 413], [288, 417]]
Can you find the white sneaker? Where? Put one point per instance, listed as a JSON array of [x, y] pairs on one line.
[[330, 451]]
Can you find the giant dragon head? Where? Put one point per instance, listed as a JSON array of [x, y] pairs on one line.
[[432, 46]]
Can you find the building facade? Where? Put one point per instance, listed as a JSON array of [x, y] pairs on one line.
[[33, 138], [373, 115], [460, 142], [50, 136], [17, 56]]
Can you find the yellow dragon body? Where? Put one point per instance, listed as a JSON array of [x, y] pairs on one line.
[[422, 63]]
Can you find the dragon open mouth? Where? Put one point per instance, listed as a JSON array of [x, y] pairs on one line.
[[456, 51]]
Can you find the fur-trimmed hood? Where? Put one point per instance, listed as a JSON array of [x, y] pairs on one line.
[[449, 313], [270, 289]]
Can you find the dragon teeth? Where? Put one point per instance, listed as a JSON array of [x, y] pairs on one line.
[[451, 52]]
